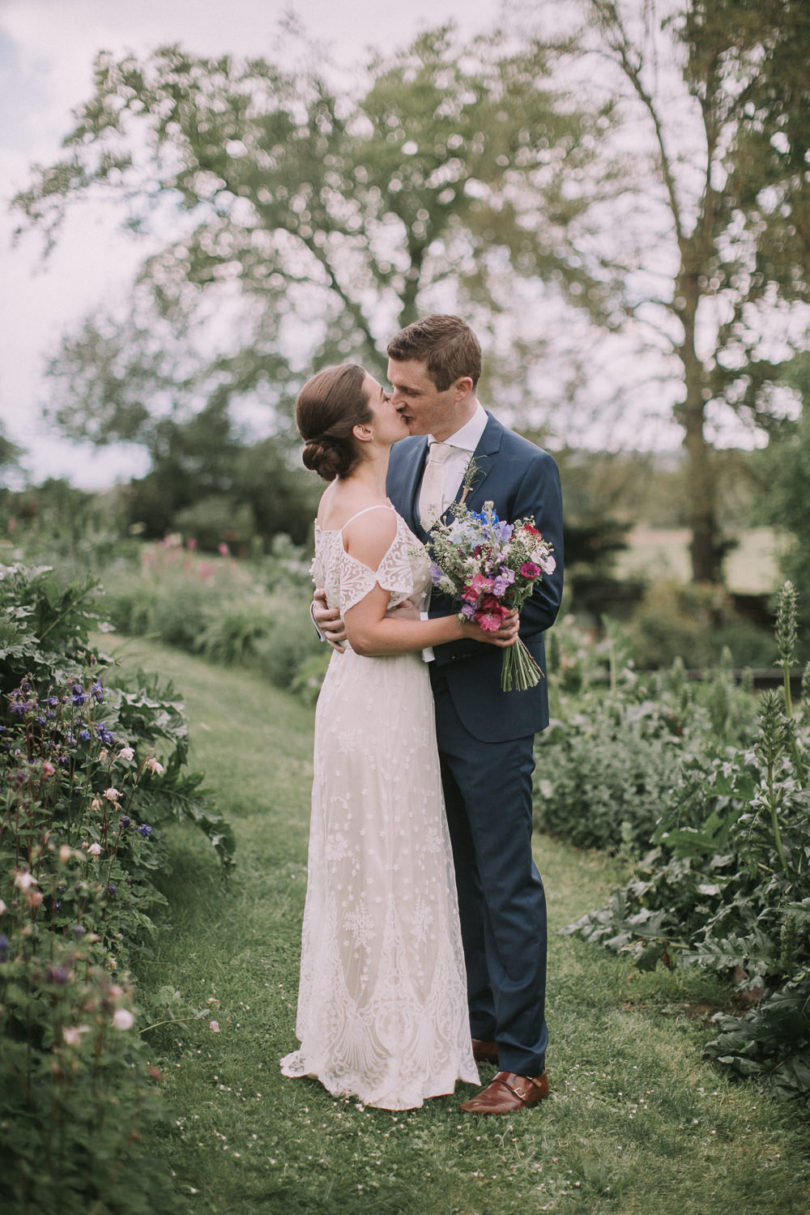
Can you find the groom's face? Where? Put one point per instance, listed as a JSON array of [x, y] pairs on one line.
[[419, 402]]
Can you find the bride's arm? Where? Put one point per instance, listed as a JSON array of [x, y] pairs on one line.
[[373, 633]]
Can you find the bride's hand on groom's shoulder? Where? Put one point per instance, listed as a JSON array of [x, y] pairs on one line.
[[328, 621]]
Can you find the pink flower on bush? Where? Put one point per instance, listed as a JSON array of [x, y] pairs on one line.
[[72, 1034], [223, 549], [154, 766]]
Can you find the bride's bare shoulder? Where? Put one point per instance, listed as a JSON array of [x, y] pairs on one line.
[[369, 534]]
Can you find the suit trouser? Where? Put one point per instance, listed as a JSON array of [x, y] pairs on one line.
[[502, 904]]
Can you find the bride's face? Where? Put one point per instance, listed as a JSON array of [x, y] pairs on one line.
[[386, 423]]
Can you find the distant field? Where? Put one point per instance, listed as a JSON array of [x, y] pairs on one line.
[[752, 568]]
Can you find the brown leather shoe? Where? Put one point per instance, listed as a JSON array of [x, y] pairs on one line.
[[484, 1052], [507, 1093]]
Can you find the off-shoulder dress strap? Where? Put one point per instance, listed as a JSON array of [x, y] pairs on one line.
[[364, 511]]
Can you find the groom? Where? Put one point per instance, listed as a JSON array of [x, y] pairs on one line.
[[485, 736]]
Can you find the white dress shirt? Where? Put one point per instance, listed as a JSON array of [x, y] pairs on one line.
[[465, 442]]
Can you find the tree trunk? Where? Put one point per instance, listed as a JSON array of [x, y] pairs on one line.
[[704, 546]]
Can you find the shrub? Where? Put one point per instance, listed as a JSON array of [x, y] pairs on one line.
[[725, 886], [231, 612], [694, 623], [609, 762], [91, 768]]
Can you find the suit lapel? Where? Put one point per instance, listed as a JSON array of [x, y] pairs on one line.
[[484, 457], [411, 480]]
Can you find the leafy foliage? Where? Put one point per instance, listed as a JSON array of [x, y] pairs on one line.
[[91, 769], [710, 234], [608, 763], [310, 215], [232, 612], [725, 886]]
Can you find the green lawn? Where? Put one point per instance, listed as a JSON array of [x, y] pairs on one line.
[[636, 1123]]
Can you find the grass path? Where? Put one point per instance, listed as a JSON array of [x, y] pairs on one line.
[[637, 1123]]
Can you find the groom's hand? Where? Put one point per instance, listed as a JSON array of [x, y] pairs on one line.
[[327, 621]]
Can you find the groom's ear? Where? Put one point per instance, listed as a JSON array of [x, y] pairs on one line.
[[463, 386]]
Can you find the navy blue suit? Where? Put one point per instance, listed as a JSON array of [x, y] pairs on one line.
[[486, 739]]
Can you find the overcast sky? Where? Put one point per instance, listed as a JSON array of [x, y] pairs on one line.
[[46, 52]]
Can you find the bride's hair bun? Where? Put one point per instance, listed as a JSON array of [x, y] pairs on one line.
[[328, 408], [325, 458]]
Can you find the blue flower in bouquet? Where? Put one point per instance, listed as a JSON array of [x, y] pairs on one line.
[[463, 533]]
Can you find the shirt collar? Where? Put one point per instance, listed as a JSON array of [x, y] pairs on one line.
[[469, 435]]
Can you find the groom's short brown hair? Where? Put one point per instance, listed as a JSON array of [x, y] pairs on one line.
[[445, 344]]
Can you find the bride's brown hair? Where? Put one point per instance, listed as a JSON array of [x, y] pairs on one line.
[[328, 408]]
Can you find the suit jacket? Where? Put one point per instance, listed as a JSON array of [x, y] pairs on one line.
[[520, 479]]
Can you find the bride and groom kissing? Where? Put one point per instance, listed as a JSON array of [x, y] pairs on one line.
[[424, 937]]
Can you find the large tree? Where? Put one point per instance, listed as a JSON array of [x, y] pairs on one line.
[[707, 253], [300, 221]]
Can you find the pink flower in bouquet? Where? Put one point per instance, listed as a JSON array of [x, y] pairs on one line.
[[491, 614], [476, 587], [530, 570]]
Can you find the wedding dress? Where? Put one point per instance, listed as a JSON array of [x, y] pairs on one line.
[[382, 1003]]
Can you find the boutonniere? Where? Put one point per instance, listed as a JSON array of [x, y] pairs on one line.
[[470, 478]]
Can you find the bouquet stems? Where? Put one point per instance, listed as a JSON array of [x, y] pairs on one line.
[[519, 670]]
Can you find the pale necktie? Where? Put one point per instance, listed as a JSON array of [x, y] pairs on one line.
[[431, 495]]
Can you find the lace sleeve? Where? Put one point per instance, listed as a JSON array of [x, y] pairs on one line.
[[394, 574]]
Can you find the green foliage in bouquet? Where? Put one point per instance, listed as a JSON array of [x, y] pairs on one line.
[[726, 885], [92, 768]]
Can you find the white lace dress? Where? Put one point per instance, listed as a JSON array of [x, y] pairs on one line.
[[382, 1003]]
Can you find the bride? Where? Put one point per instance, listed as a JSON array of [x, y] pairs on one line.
[[382, 1002]]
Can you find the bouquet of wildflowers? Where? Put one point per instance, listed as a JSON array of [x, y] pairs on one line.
[[491, 568]]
